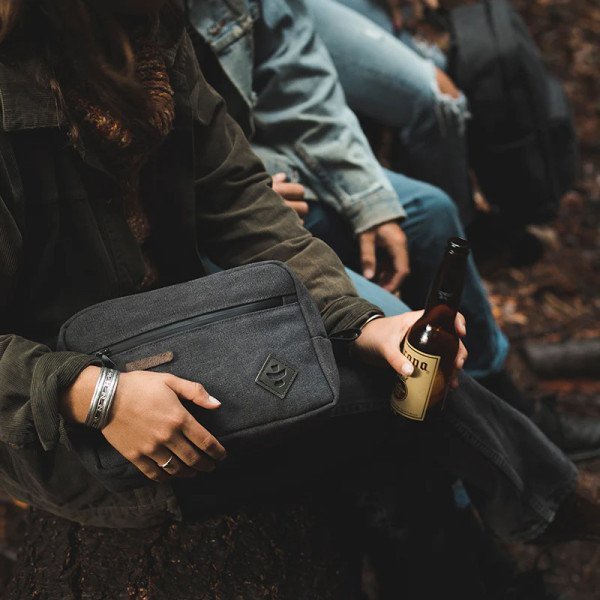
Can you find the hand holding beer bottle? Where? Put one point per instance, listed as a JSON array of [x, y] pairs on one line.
[[382, 341], [432, 343]]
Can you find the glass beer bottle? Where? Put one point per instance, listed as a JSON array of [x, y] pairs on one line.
[[431, 344]]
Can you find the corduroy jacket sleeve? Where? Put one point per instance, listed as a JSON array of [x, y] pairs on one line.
[[31, 376], [240, 219]]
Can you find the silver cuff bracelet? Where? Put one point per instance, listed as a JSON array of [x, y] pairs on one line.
[[102, 399]]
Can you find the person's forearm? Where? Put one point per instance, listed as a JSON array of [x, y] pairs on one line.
[[32, 379]]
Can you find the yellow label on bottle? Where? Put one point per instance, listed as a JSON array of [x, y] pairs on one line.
[[411, 395]]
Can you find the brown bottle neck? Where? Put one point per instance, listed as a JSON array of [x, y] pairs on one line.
[[446, 290]]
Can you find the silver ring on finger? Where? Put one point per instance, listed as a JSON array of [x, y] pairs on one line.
[[167, 463]]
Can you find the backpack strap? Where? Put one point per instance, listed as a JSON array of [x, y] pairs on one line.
[[471, 35]]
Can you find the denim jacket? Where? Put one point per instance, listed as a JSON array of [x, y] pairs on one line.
[[283, 89]]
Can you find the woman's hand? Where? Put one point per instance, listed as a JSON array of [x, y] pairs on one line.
[[292, 194], [148, 423], [395, 265], [379, 343]]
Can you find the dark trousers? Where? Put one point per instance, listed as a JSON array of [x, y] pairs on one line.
[[516, 476]]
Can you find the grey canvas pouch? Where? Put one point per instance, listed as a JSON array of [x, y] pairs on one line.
[[251, 335]]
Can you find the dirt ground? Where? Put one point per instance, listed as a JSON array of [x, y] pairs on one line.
[[557, 299]]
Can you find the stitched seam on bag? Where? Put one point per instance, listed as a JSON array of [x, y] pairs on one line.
[[295, 281], [305, 316], [329, 383]]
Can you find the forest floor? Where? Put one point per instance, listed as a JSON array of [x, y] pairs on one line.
[[558, 299], [554, 300]]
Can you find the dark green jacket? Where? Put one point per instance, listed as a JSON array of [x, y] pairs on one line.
[[65, 245]]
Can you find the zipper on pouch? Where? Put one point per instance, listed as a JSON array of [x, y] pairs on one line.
[[189, 324]]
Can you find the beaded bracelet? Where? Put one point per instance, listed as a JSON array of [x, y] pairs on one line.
[[102, 399]]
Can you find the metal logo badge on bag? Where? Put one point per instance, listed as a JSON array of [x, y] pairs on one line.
[[276, 377]]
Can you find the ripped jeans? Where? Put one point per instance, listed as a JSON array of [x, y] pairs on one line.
[[376, 11], [386, 80]]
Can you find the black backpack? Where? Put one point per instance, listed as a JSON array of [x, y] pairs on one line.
[[522, 141]]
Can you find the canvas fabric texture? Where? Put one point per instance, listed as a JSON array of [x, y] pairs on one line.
[[251, 335]]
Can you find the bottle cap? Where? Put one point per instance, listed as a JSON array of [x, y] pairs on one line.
[[458, 246]]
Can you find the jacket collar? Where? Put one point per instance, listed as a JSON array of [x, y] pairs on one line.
[[26, 99]]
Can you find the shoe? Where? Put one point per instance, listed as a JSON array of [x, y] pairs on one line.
[[578, 518], [577, 436]]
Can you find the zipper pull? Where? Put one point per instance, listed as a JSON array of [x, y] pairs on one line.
[[345, 335], [104, 356]]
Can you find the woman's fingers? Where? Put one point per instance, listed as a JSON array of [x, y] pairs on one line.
[[290, 191], [368, 253], [177, 456], [151, 427], [173, 466], [301, 208], [189, 456], [460, 324], [150, 469], [192, 391], [454, 379], [191, 429], [187, 425], [461, 356], [202, 439], [400, 363]]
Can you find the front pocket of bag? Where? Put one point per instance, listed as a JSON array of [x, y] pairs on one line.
[[228, 357]]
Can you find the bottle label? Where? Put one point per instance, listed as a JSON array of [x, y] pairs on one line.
[[411, 395]]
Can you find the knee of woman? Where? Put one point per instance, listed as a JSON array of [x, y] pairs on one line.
[[443, 212], [439, 203]]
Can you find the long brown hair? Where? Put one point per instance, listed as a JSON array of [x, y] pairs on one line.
[[81, 42]]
